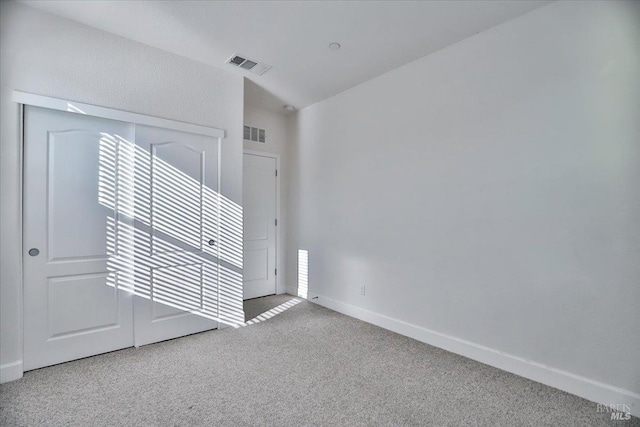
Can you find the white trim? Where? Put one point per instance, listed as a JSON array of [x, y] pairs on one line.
[[110, 113], [587, 388], [17, 371], [11, 371], [280, 288]]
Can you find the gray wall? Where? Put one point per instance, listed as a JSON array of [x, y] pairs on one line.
[[48, 55], [489, 191]]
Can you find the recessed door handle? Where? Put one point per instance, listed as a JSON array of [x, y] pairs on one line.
[[34, 251]]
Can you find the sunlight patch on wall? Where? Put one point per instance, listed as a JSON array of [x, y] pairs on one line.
[[303, 273]]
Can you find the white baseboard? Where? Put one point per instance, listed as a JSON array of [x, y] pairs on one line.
[[11, 371], [586, 388]]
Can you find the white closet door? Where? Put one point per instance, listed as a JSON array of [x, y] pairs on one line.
[[176, 234], [259, 197], [71, 307]]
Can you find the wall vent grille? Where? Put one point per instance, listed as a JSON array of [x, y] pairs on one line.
[[254, 134], [248, 64]]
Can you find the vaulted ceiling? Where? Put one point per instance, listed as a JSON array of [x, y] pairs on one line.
[[293, 36]]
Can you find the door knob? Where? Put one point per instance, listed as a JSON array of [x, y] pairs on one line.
[[34, 251], [212, 242]]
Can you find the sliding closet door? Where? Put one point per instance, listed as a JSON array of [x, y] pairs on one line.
[[121, 235], [72, 308], [176, 233]]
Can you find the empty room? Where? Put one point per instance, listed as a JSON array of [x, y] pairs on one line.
[[320, 213]]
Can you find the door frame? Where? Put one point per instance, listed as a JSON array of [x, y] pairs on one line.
[[280, 289], [15, 370]]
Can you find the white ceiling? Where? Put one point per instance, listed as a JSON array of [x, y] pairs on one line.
[[293, 36]]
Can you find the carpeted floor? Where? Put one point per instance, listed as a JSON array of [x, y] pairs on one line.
[[306, 365], [256, 306]]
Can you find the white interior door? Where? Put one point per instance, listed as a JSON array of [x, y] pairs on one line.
[[176, 234], [121, 235], [259, 198], [71, 307]]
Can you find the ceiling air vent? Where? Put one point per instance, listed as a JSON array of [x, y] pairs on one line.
[[254, 134], [248, 64]]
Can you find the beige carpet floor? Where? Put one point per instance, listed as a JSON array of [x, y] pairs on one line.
[[305, 366]]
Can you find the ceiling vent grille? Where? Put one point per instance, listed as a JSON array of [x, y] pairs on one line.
[[248, 64], [254, 134]]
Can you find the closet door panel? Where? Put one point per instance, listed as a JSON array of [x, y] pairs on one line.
[[72, 306], [176, 233]]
